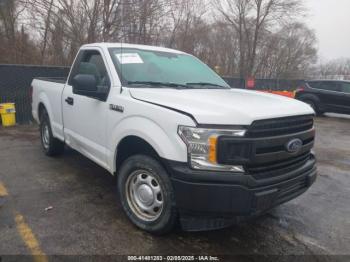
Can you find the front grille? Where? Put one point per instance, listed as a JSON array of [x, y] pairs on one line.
[[266, 149], [280, 126], [263, 151], [269, 170]]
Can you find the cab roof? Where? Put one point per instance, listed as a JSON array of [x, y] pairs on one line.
[[124, 45]]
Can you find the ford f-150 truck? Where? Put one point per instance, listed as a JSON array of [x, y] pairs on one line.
[[183, 145]]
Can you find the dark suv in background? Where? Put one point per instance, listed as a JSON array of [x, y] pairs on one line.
[[326, 96]]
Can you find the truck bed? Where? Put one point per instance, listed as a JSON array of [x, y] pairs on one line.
[[60, 80], [49, 89]]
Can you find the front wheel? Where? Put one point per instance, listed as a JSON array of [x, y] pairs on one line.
[[146, 194]]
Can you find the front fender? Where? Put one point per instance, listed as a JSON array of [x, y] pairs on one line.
[[166, 142]]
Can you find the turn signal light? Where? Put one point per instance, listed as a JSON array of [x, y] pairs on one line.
[[213, 141]]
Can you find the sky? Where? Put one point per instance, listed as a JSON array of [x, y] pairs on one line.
[[331, 21]]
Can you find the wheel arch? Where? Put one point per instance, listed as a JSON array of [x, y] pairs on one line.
[[44, 104], [151, 138], [133, 145], [311, 97], [41, 109]]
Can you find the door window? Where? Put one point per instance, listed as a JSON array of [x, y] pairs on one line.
[[346, 87], [331, 86], [315, 84], [91, 63]]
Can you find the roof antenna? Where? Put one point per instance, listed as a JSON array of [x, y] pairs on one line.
[[122, 40]]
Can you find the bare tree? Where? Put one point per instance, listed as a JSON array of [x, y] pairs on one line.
[[10, 12], [288, 53], [250, 18], [184, 17], [238, 37], [334, 69], [40, 13], [111, 17]]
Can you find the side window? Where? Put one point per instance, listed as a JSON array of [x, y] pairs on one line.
[[336, 86], [316, 85], [330, 86], [91, 63], [346, 87]]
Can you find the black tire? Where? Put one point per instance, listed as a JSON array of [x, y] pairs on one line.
[[168, 215], [51, 145]]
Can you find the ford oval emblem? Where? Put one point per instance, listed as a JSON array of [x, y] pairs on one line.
[[294, 146]]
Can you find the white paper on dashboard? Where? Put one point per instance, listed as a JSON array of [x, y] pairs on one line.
[[129, 58]]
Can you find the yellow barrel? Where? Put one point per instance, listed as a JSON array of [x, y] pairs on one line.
[[8, 114]]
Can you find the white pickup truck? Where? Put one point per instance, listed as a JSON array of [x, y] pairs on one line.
[[183, 145]]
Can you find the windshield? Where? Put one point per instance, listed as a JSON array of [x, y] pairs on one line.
[[144, 68]]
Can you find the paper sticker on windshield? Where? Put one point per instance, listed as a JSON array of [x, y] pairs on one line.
[[129, 58]]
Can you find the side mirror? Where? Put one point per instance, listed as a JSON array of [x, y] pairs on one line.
[[86, 85]]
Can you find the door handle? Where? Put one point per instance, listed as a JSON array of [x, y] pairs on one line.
[[70, 101]]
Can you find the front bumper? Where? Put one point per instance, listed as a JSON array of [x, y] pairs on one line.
[[208, 200]]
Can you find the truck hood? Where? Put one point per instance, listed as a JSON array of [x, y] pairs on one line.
[[223, 106]]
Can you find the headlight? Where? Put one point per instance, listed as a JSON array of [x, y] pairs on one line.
[[202, 147]]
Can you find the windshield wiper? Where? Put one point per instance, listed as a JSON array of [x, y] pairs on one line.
[[207, 84], [157, 84]]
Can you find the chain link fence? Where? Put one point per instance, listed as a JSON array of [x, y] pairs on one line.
[[15, 81]]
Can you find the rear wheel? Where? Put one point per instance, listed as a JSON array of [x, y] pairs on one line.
[[51, 146], [146, 194]]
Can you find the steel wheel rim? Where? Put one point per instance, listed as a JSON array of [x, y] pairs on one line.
[[45, 134], [144, 195]]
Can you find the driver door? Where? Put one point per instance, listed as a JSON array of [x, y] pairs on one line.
[[85, 118]]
